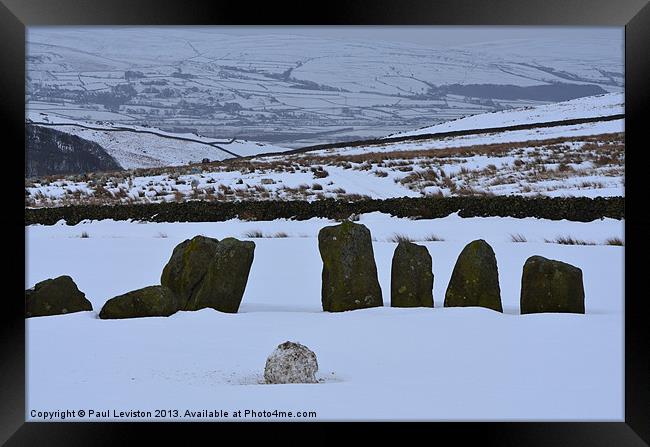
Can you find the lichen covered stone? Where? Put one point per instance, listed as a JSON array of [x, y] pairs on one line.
[[152, 301], [551, 286], [222, 288], [411, 280], [475, 278], [291, 363], [188, 265], [349, 277], [55, 296]]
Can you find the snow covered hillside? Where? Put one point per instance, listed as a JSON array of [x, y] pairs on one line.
[[585, 159], [291, 89], [135, 146], [381, 363], [589, 107]]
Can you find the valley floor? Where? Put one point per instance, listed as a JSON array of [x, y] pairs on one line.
[[374, 364]]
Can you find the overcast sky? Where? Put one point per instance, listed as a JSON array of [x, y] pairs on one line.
[[439, 35], [421, 35]]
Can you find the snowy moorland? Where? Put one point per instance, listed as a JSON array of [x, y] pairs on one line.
[[585, 159], [579, 160], [293, 89], [134, 146], [588, 107], [380, 363]]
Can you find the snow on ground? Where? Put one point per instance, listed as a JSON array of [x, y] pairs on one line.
[[587, 166], [382, 363], [298, 89], [588, 107], [512, 136], [594, 153], [144, 150]]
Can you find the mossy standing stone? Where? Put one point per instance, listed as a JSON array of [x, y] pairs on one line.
[[475, 278], [551, 286], [411, 279], [55, 296], [223, 285], [152, 301], [349, 272], [187, 266]]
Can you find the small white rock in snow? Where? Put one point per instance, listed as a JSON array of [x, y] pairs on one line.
[[291, 363]]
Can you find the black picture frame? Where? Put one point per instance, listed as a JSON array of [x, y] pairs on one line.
[[15, 15]]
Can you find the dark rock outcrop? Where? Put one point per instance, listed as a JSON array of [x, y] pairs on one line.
[[475, 278], [411, 280], [349, 271], [55, 297], [551, 286], [204, 272], [222, 287], [152, 301], [188, 265]]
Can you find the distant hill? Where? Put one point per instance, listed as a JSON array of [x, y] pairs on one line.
[[589, 107], [292, 90], [49, 151], [573, 148], [134, 146]]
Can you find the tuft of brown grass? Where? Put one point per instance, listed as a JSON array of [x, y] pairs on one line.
[[397, 237], [433, 238], [255, 234], [563, 167], [518, 237], [568, 240], [615, 241], [319, 172], [420, 176]]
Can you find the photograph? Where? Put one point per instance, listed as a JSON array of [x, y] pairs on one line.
[[324, 223]]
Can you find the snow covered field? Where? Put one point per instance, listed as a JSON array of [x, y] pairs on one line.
[[294, 87], [382, 363], [588, 107], [146, 150], [588, 166], [584, 160]]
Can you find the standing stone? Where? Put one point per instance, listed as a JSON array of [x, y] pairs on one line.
[[55, 297], [551, 286], [152, 301], [291, 363], [188, 265], [475, 279], [411, 280], [349, 270], [223, 285]]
